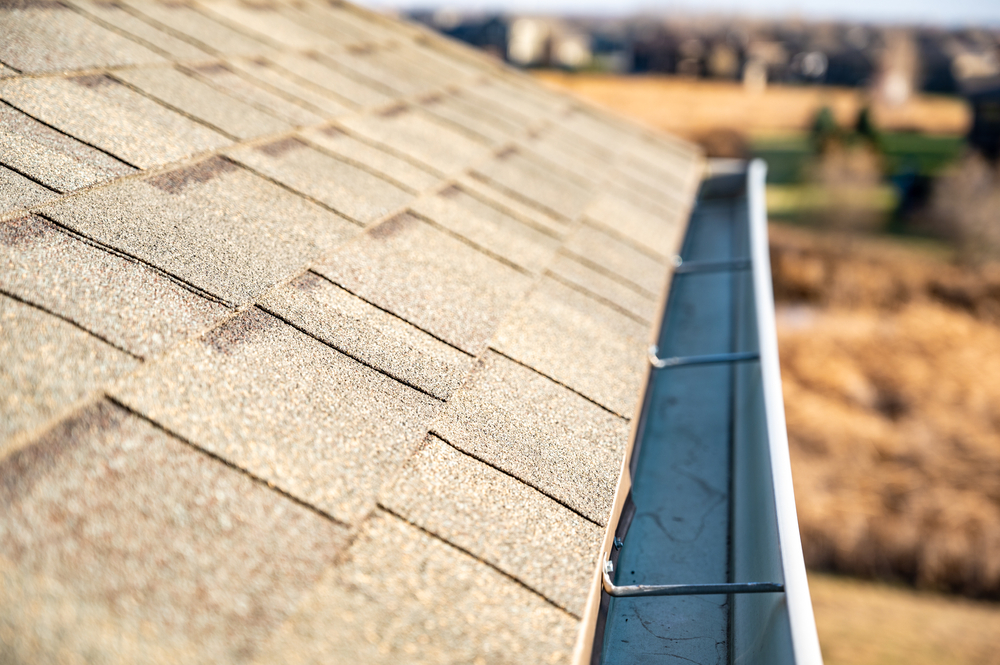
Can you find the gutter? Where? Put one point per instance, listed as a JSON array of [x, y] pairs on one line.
[[767, 595]]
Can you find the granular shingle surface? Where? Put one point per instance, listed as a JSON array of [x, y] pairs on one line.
[[48, 364], [296, 90], [16, 191], [429, 278], [369, 334], [409, 132], [288, 409], [405, 596], [406, 174], [520, 174], [645, 271], [320, 336], [538, 431], [353, 192], [532, 538], [223, 112], [198, 564], [578, 341], [124, 302], [52, 158], [608, 288], [187, 22], [106, 114], [161, 41], [351, 91], [38, 37], [212, 224], [244, 88], [489, 228]]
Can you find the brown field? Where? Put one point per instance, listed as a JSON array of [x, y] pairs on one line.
[[694, 108], [864, 623], [891, 368]]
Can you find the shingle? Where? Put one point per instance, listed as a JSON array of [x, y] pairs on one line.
[[429, 278], [310, 68], [159, 40], [48, 365], [17, 192], [489, 228], [351, 191], [518, 100], [539, 431], [657, 234], [411, 133], [244, 88], [647, 273], [405, 596], [55, 159], [41, 36], [288, 409], [126, 303], [105, 113], [212, 224], [610, 290], [574, 162], [579, 342], [486, 94], [279, 81], [527, 177], [530, 537], [496, 198], [341, 22], [397, 170], [200, 100], [189, 24], [122, 544], [268, 24], [373, 64], [374, 337], [472, 118]]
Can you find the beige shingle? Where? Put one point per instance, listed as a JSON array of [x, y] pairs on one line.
[[405, 596], [286, 408]]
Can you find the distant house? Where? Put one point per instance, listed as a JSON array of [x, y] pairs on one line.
[[984, 98]]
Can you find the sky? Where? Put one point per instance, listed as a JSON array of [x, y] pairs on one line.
[[934, 12]]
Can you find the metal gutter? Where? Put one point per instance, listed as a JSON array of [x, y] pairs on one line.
[[763, 613]]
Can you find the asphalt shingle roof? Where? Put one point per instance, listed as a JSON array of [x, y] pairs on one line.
[[320, 336]]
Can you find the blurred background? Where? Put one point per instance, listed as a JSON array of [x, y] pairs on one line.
[[880, 123]]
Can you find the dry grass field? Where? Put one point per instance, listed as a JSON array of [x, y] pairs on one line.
[[695, 108]]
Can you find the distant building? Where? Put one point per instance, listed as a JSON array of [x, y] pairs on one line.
[[984, 98]]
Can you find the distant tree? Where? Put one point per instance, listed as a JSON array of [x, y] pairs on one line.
[[825, 130]]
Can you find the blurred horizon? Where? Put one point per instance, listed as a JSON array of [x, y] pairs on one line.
[[923, 13]]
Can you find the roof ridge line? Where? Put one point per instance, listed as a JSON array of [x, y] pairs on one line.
[[380, 506], [350, 355], [66, 319], [218, 458], [392, 314], [435, 434], [582, 290], [558, 382]]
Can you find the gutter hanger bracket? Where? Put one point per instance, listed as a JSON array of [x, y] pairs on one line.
[[684, 589], [710, 359]]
